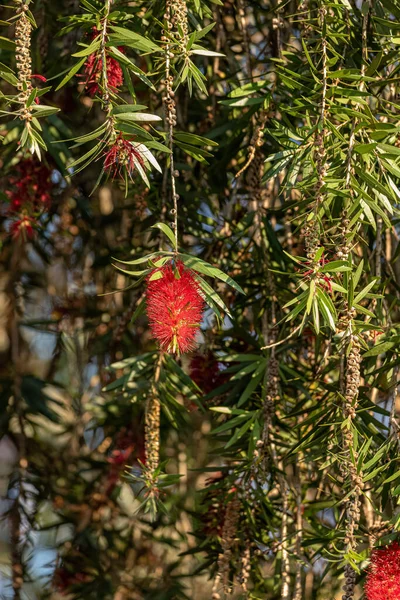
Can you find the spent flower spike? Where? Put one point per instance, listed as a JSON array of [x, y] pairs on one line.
[[122, 154]]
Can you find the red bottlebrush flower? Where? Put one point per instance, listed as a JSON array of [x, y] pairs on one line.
[[119, 458], [64, 579], [30, 187], [122, 154], [23, 229], [174, 307], [383, 579], [204, 371], [93, 73], [117, 461], [94, 70]]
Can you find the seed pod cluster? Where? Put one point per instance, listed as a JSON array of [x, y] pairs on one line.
[[179, 22], [152, 433], [169, 101], [348, 467], [23, 30], [350, 583], [343, 250], [245, 566], [271, 396], [228, 541]]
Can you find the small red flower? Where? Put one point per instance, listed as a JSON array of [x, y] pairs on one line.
[[174, 307], [93, 73], [122, 154], [23, 229], [15, 204], [383, 579]]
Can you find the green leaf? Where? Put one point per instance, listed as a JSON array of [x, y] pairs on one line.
[[316, 315], [338, 288], [365, 148], [327, 309], [122, 58], [374, 473], [365, 291], [248, 88], [213, 296], [6, 44], [88, 137], [357, 274], [140, 310], [127, 108], [91, 49], [242, 102], [204, 52], [134, 273], [8, 75], [136, 116], [335, 266], [203, 32], [310, 296], [144, 259], [231, 423], [154, 276], [194, 140], [71, 73], [44, 111], [239, 433], [203, 267], [92, 152], [381, 348], [193, 150], [255, 380], [125, 37], [168, 232]]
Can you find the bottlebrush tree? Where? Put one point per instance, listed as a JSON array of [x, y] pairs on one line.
[[200, 299]]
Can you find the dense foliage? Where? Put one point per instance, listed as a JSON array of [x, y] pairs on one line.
[[200, 292]]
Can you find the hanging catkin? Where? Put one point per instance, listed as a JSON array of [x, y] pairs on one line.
[[23, 30]]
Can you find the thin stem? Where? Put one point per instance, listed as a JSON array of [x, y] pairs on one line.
[[361, 88], [103, 53], [285, 587], [17, 567], [171, 121], [394, 426], [107, 105], [245, 33], [312, 233], [284, 339], [324, 68], [299, 533]]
